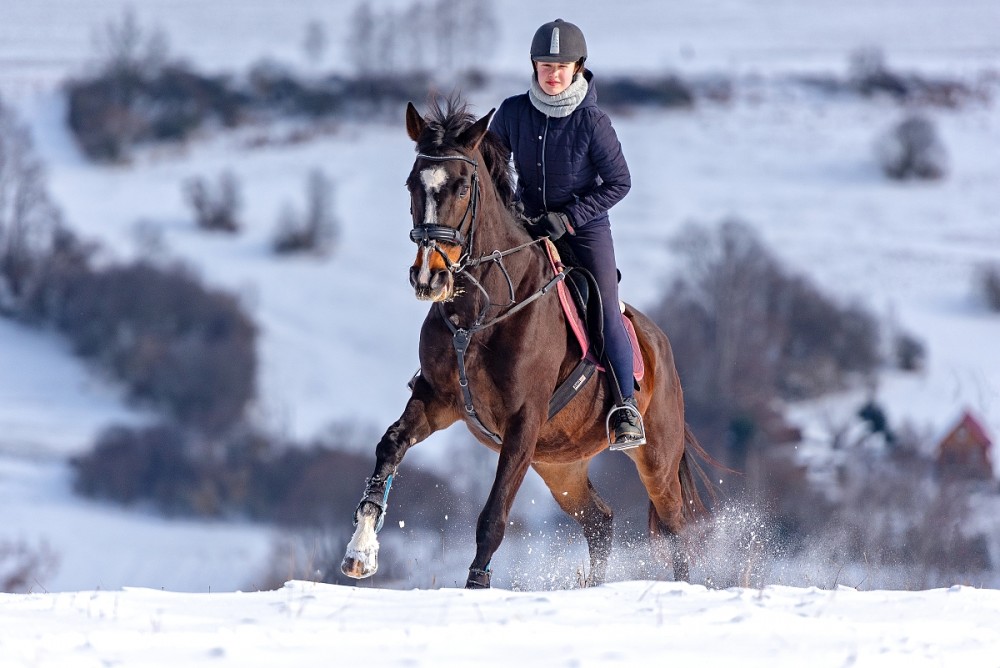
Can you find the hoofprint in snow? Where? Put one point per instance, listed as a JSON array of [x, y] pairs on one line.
[[624, 624]]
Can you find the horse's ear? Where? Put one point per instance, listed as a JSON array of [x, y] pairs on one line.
[[474, 133], [415, 123]]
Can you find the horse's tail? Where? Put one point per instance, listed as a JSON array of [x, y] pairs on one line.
[[691, 473]]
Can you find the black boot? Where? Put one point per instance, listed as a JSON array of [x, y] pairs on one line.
[[625, 428]]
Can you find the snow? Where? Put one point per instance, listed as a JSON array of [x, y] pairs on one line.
[[623, 624], [338, 336]]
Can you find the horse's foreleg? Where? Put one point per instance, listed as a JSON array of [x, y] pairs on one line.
[[422, 416], [515, 457]]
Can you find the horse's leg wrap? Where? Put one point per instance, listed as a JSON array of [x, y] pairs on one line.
[[377, 494], [479, 578]]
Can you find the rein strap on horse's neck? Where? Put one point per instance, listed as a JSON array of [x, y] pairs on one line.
[[460, 340]]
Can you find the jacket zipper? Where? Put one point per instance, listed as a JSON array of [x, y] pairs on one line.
[[545, 194]]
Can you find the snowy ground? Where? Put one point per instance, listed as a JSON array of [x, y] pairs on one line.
[[339, 336], [625, 624]]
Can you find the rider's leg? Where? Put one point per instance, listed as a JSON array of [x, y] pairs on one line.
[[595, 250]]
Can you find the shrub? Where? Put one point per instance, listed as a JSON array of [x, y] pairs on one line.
[[869, 74], [666, 91], [318, 229], [246, 473], [23, 566], [114, 111], [137, 94], [215, 209], [911, 353], [988, 279], [745, 331], [176, 344], [912, 149], [899, 517], [144, 464]]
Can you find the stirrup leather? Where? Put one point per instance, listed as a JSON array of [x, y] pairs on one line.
[[626, 444]]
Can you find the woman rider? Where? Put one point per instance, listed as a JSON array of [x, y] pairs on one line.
[[570, 172]]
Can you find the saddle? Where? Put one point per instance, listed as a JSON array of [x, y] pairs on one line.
[[581, 303]]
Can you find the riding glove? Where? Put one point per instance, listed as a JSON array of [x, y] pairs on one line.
[[553, 224]]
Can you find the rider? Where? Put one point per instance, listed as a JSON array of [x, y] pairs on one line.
[[570, 172]]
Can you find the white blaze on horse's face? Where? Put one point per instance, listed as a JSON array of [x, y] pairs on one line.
[[432, 178], [429, 275]]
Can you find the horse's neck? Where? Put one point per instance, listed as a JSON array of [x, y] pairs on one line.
[[524, 268]]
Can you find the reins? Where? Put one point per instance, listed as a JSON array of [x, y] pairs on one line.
[[431, 235]]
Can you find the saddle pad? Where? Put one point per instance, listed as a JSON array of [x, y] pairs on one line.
[[577, 326]]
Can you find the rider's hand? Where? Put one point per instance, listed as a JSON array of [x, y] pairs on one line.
[[554, 224]]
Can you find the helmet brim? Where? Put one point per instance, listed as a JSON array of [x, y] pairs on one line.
[[556, 59]]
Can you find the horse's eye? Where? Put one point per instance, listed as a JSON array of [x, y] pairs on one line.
[[463, 191]]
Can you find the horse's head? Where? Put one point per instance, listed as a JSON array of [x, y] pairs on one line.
[[445, 196]]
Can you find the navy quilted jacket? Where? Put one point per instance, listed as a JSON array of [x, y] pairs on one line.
[[572, 164]]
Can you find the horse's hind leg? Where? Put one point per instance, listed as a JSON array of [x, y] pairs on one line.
[[658, 464], [571, 488]]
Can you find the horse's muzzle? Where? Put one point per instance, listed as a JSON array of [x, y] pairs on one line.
[[432, 285]]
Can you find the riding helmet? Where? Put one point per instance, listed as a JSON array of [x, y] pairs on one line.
[[558, 42]]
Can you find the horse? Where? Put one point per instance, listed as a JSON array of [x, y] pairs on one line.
[[493, 348]]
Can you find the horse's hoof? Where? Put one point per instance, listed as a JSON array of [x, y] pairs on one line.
[[358, 566], [478, 579]]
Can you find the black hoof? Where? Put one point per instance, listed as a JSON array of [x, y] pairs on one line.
[[478, 579]]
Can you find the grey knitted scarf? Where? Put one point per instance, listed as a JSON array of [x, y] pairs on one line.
[[561, 105]]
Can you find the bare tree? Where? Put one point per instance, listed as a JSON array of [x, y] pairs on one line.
[[28, 218], [448, 35], [315, 42], [125, 49], [361, 46], [446, 28]]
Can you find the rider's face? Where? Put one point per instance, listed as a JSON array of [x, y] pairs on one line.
[[554, 78]]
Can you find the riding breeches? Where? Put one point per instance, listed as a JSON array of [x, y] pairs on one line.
[[595, 250]]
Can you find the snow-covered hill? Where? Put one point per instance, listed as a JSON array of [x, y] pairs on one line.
[[338, 336]]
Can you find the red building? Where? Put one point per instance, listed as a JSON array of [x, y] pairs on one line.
[[965, 450]]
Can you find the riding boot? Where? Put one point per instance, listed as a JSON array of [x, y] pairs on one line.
[[625, 426], [624, 421]]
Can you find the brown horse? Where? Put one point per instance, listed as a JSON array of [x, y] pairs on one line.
[[494, 347]]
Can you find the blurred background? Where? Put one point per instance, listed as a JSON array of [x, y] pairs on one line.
[[206, 322]]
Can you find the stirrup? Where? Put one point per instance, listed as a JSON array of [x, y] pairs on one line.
[[631, 443]]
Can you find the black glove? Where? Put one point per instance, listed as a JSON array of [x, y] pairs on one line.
[[553, 225]]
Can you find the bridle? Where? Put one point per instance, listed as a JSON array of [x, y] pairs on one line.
[[432, 236]]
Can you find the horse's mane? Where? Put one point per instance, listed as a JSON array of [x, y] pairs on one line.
[[446, 120]]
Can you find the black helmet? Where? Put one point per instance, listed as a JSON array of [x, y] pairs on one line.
[[558, 42]]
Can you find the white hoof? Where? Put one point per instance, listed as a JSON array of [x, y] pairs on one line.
[[361, 557]]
